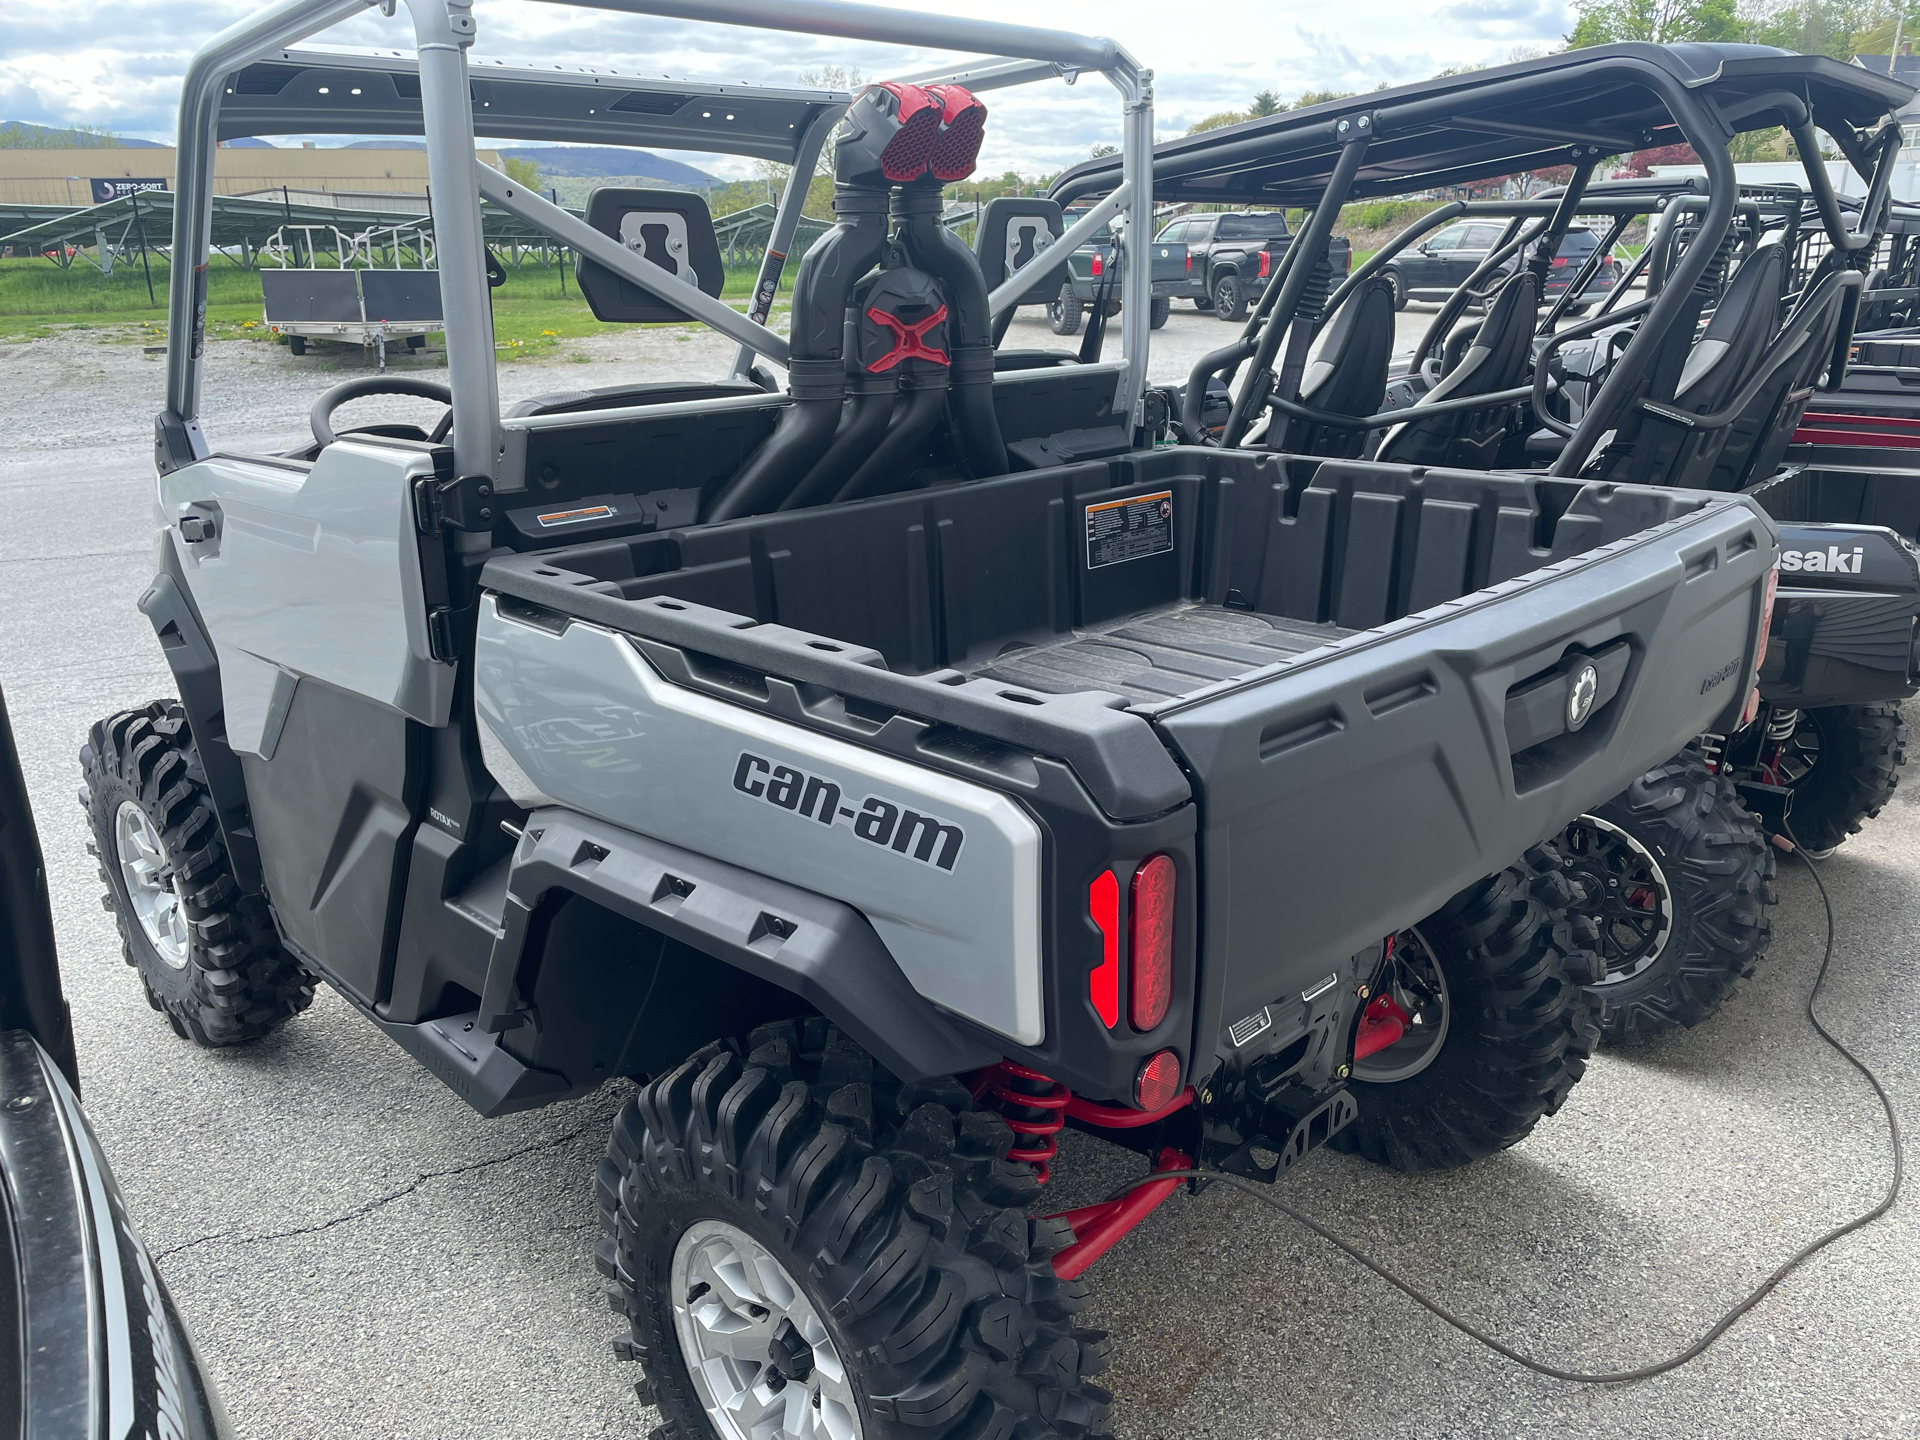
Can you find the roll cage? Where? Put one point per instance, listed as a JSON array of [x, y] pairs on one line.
[[1574, 110], [253, 79]]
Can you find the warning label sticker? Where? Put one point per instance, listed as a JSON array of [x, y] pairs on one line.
[[1120, 530], [575, 517]]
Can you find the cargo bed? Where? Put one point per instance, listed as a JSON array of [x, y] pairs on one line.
[[1352, 670]]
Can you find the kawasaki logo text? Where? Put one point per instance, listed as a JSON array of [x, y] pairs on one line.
[[1830, 561], [925, 838]]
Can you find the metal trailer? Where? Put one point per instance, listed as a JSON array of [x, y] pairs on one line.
[[357, 299]]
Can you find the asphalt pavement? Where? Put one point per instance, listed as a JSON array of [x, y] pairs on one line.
[[360, 1255]]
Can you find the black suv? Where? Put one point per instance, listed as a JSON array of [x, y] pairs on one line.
[[1439, 265]]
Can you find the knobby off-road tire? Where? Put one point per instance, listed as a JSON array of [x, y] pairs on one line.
[[1064, 311], [1518, 1027], [217, 971], [1855, 768], [893, 1210], [1679, 879]]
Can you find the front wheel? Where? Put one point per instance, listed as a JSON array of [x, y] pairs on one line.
[[206, 953], [1229, 302], [1678, 880], [1842, 763], [1157, 313], [806, 1247], [1399, 289], [1495, 1026], [1064, 311]]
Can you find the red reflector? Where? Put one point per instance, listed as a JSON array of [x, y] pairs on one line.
[[1266, 263], [1151, 949], [1103, 983], [1159, 1081], [1099, 267]]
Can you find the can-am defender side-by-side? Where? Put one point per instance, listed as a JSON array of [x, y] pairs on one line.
[[1699, 382], [971, 765]]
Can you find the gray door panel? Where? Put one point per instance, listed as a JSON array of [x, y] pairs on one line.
[[313, 570]]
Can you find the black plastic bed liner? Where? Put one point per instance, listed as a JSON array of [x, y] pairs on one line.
[[1164, 654]]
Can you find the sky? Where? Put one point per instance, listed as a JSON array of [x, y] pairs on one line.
[[119, 64]]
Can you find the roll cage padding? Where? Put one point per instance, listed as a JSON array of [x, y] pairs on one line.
[[1496, 361], [1349, 376]]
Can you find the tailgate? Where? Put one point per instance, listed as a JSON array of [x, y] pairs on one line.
[[1352, 792]]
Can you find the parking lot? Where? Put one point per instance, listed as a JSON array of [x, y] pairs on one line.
[[360, 1255]]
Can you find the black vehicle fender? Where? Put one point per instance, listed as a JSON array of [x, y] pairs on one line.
[[821, 950], [168, 603]]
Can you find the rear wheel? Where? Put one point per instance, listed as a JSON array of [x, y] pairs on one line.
[[1842, 763], [1497, 1029], [1229, 303], [297, 344], [207, 954], [1678, 879], [1399, 288], [806, 1247], [1064, 311], [1157, 313]]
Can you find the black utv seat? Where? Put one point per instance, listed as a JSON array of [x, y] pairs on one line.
[[1349, 375], [1496, 360], [1655, 451]]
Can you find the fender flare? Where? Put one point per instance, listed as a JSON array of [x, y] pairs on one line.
[[196, 673], [822, 950]]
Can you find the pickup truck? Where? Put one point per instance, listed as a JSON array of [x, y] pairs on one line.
[[1231, 256], [1093, 272]]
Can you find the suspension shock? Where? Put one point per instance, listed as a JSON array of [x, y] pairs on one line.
[[1035, 1108], [1781, 724]]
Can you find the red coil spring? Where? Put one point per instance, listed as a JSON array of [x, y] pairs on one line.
[[1034, 1106]]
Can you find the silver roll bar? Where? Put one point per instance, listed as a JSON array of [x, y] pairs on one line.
[[445, 29]]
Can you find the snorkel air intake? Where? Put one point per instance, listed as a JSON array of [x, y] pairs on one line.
[[892, 134]]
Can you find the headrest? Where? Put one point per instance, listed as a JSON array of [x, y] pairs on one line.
[[1011, 233], [895, 133], [669, 228]]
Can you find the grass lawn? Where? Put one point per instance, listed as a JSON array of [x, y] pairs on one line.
[[531, 315]]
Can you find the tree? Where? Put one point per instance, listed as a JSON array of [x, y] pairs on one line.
[[1663, 22], [1266, 103], [1100, 152], [1320, 97], [832, 77], [525, 173], [1217, 120], [17, 136]]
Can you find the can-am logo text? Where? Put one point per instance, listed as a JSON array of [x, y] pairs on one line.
[[1830, 561], [925, 838]]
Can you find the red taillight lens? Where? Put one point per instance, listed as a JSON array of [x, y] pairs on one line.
[[1559, 263], [1150, 948], [1099, 267], [1189, 262], [1767, 594], [1159, 1081], [1103, 982], [1266, 263]]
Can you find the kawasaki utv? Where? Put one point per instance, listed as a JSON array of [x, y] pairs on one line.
[[886, 771], [1698, 382]]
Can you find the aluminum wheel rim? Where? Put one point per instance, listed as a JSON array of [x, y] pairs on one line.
[[1621, 876], [1418, 985], [150, 885], [759, 1356]]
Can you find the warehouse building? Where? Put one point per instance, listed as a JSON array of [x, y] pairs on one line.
[[92, 176]]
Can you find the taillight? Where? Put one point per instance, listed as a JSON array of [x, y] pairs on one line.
[[1266, 263], [1158, 1082], [1559, 263], [1099, 267], [1150, 947], [1768, 590], [1103, 983], [1189, 262]]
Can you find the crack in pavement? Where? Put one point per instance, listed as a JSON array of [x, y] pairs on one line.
[[379, 1201]]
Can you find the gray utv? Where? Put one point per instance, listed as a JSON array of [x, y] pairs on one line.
[[882, 773]]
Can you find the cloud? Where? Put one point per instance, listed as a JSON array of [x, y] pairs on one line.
[[86, 62]]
